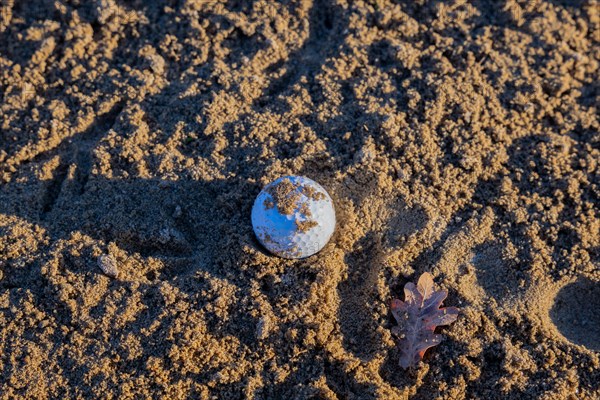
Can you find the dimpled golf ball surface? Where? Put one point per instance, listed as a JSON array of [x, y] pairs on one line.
[[293, 217]]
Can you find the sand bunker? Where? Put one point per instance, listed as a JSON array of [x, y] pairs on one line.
[[456, 138]]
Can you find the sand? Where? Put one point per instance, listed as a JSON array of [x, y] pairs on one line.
[[461, 139]]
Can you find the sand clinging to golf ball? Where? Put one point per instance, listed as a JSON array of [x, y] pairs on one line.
[[293, 217]]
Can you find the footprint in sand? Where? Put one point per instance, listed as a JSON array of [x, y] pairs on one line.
[[497, 273], [575, 313]]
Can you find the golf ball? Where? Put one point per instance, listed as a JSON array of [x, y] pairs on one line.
[[293, 217]]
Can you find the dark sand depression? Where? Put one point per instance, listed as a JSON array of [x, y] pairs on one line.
[[458, 138]]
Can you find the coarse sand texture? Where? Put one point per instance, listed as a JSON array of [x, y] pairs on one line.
[[455, 138]]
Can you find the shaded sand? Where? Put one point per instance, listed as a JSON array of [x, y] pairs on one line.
[[459, 139]]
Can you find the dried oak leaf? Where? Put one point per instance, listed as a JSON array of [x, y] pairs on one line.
[[418, 316]]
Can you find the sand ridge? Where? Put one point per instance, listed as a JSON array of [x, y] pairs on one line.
[[457, 138]]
